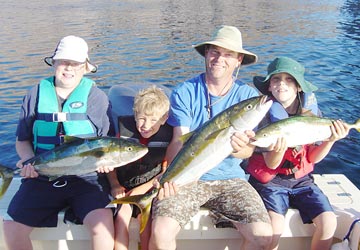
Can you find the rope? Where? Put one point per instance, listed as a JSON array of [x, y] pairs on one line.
[[350, 229]]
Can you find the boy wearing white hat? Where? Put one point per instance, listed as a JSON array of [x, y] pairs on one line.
[[224, 189], [64, 104]]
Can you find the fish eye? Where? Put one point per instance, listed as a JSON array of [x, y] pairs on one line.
[[249, 106], [129, 149]]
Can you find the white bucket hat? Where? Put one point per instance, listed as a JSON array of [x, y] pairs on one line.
[[72, 48], [228, 37]]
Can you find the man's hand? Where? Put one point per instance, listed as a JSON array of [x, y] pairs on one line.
[[168, 189]]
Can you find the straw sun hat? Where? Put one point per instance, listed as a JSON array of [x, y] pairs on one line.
[[228, 37]]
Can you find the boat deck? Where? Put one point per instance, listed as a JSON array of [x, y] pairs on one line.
[[200, 233]]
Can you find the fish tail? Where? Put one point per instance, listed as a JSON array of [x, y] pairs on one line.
[[143, 202], [357, 125], [6, 174]]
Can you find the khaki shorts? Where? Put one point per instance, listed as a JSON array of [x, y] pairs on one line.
[[234, 200]]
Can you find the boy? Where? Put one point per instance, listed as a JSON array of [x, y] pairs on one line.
[[148, 126]]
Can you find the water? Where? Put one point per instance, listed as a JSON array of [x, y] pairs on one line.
[[150, 41]]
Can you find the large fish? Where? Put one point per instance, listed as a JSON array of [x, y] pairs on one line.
[[205, 148], [297, 130], [80, 156]]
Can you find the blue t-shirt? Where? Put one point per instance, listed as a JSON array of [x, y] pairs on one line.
[[189, 105]]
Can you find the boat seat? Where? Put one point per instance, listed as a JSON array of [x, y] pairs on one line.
[[200, 230]]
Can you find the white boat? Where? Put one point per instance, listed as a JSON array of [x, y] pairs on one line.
[[200, 233]]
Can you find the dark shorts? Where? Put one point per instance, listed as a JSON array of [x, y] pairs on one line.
[[302, 194], [234, 200], [38, 202]]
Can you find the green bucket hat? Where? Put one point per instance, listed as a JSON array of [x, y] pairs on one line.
[[228, 37], [284, 65]]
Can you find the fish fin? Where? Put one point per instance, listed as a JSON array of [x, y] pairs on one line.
[[69, 138], [214, 135], [53, 178], [143, 202], [6, 175], [184, 138]]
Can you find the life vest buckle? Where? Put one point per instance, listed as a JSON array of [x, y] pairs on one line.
[[294, 170], [59, 117]]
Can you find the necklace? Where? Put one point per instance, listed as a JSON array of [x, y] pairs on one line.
[[209, 104]]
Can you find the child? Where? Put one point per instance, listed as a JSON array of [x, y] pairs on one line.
[[292, 95], [148, 126], [47, 114]]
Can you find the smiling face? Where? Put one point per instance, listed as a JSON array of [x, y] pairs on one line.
[[149, 124], [284, 88], [221, 62], [68, 74]]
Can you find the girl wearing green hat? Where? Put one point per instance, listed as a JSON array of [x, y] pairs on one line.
[[282, 175]]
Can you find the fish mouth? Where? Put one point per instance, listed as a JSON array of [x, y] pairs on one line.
[[251, 140], [264, 99]]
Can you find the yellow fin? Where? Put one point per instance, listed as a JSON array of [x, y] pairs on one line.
[[143, 202], [214, 135], [185, 137]]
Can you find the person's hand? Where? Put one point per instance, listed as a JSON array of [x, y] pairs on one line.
[[118, 191], [27, 171], [279, 146], [104, 169], [168, 189], [240, 141], [339, 130]]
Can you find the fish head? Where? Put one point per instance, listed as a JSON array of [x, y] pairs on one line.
[[265, 137], [128, 151], [116, 152], [247, 114]]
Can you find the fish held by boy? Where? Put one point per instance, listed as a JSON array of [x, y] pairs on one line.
[[79, 156], [297, 130], [204, 149]]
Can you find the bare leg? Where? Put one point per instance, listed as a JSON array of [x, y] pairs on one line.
[[17, 235], [101, 226], [256, 235], [122, 222], [163, 234], [145, 236], [277, 223], [325, 226]]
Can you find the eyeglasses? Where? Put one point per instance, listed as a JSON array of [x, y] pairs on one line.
[[67, 63]]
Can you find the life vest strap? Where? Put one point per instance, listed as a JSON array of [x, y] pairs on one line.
[[61, 117]]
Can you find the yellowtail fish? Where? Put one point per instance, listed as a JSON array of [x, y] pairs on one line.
[[204, 149], [80, 156], [297, 130]]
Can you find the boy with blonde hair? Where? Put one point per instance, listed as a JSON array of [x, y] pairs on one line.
[[147, 126]]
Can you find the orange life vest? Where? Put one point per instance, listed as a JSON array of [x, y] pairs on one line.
[[298, 157]]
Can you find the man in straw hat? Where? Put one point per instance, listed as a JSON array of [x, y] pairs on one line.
[[193, 103], [64, 104]]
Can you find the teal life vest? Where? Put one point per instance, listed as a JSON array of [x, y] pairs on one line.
[[49, 115]]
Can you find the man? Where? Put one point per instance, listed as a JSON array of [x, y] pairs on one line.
[[224, 189]]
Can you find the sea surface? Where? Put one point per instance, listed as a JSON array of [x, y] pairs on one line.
[[150, 41]]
